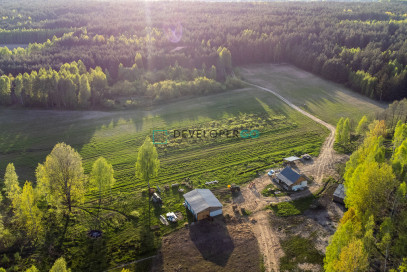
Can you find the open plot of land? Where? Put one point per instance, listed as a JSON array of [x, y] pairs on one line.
[[326, 100], [210, 246]]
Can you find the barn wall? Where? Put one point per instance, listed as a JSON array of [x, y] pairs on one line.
[[216, 212], [202, 215]]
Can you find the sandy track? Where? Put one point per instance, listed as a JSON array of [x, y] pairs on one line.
[[326, 155], [252, 199], [268, 241]]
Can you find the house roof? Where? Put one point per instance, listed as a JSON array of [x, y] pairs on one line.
[[340, 191], [292, 158], [288, 176], [201, 199]]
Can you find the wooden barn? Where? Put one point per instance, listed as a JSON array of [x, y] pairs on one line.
[[291, 180], [202, 203]]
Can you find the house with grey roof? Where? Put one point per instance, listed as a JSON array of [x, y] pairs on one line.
[[202, 203], [339, 194], [291, 180]]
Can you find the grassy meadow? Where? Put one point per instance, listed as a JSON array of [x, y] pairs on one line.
[[326, 100], [29, 135]]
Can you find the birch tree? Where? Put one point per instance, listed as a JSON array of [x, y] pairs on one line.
[[62, 177], [147, 164], [101, 177], [27, 212]]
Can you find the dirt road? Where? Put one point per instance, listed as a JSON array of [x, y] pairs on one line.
[[252, 199], [326, 156]]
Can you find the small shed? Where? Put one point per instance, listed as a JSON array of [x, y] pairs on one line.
[[291, 160], [202, 203], [291, 180], [339, 194]]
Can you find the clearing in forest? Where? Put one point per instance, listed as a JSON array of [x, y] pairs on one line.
[[325, 99]]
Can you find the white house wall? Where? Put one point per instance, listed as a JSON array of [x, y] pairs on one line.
[[300, 186]]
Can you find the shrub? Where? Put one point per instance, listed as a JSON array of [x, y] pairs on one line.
[[135, 214]]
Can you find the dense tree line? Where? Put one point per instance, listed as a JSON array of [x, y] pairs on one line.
[[362, 45], [372, 234], [73, 86]]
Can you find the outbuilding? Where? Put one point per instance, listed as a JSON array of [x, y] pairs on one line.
[[339, 194], [202, 203], [291, 180], [291, 160]]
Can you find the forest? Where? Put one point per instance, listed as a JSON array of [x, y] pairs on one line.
[[155, 51], [372, 232]]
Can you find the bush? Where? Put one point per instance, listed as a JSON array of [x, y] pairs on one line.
[[135, 214], [108, 103], [17, 257], [5, 259]]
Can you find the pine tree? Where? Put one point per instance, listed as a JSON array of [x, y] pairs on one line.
[[32, 269], [362, 126], [81, 67], [18, 89], [84, 91], [138, 60], [338, 132], [60, 266], [345, 137], [5, 90], [212, 72], [11, 186], [98, 84], [400, 134]]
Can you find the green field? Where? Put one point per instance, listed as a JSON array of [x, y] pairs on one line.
[[326, 100], [27, 136]]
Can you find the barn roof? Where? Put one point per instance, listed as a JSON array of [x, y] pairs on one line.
[[201, 199], [288, 176], [292, 158], [340, 191]]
